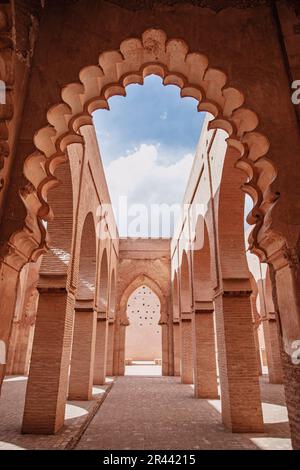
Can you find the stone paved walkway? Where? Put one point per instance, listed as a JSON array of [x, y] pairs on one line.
[[161, 413], [78, 414], [144, 412]]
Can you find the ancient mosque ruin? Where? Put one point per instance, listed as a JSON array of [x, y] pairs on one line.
[[216, 307]]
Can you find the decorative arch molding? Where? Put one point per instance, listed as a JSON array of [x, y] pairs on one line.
[[137, 58], [141, 280]]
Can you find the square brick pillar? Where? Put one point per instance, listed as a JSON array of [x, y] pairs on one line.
[[121, 357], [47, 386], [205, 369], [83, 353], [165, 349], [9, 281], [101, 349], [176, 347], [170, 347], [238, 368], [256, 322], [257, 348], [272, 349], [18, 361], [110, 347], [119, 346], [116, 347], [186, 346], [291, 372]]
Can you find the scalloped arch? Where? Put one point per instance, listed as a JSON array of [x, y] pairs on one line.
[[137, 58]]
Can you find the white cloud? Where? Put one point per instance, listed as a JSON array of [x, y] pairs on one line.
[[136, 173], [163, 116], [141, 178]]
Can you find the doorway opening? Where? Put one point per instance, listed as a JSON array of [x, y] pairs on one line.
[[143, 343]]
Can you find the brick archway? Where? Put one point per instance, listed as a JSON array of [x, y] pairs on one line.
[[131, 290], [137, 58], [85, 316], [143, 262], [143, 279]]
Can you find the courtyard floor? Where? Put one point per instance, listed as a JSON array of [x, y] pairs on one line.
[[144, 412]]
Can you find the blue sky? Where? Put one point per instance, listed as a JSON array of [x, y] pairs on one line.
[[147, 142]]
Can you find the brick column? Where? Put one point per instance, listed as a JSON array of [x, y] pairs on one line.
[[186, 346], [83, 353], [291, 373], [119, 345], [110, 347], [272, 349], [9, 281], [47, 386], [257, 348], [170, 347], [20, 359], [165, 349], [256, 322], [176, 347], [238, 368], [116, 347], [101, 349], [205, 370], [121, 356]]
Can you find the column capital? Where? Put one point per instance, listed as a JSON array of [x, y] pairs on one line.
[[203, 307], [84, 305], [52, 290], [124, 321], [82, 309], [101, 315], [271, 316], [53, 283], [234, 287], [186, 316], [235, 293]]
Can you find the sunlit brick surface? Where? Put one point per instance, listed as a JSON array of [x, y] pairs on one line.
[[162, 414]]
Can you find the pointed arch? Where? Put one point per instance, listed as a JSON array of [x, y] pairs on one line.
[[202, 269], [103, 282], [185, 284], [143, 336], [140, 280], [87, 263], [60, 226]]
